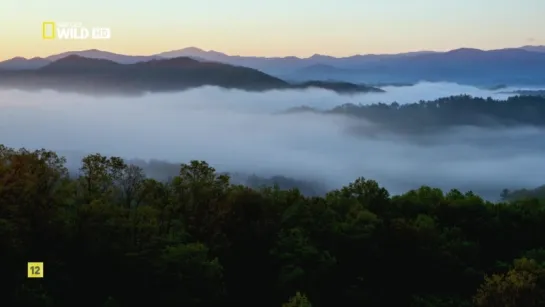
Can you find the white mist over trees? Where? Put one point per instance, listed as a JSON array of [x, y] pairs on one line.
[[238, 131]]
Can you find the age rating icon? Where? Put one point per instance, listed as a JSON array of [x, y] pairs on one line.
[[35, 270]]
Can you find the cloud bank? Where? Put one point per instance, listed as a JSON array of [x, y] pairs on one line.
[[243, 132]]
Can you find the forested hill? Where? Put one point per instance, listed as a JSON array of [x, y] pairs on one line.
[[340, 87], [97, 76], [509, 195], [100, 76], [462, 110], [165, 171], [113, 237]]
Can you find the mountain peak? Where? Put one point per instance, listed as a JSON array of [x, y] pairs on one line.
[[466, 50], [73, 57], [77, 61], [86, 51], [194, 52], [319, 56], [18, 58], [193, 49], [539, 48]]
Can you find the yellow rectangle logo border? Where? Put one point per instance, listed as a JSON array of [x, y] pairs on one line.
[[53, 27]]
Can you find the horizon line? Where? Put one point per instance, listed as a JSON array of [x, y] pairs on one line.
[[269, 57]]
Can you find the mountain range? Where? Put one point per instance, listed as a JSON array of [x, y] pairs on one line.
[[524, 65], [103, 76]]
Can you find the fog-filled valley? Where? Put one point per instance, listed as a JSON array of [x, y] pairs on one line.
[[275, 154], [250, 133]]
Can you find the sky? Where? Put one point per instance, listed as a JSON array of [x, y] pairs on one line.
[[275, 28]]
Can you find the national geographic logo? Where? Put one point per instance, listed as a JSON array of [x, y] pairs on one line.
[[73, 31]]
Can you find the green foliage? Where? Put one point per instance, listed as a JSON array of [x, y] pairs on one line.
[[447, 112], [113, 237], [521, 286], [437, 301], [299, 300]]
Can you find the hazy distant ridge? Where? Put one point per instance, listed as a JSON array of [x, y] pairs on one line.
[[100, 76], [523, 65]]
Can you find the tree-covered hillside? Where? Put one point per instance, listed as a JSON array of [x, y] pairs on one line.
[[112, 237], [448, 112]]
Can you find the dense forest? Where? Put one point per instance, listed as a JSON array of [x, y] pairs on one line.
[[164, 171], [112, 237], [447, 112]]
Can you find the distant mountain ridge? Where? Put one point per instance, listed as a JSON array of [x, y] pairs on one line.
[[534, 48], [103, 76], [200, 54], [523, 65], [20, 63], [81, 74], [105, 55]]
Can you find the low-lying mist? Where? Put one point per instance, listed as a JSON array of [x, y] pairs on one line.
[[244, 132]]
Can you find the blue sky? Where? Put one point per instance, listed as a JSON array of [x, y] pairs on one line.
[[276, 28]]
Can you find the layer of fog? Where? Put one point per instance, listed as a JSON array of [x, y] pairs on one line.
[[237, 131]]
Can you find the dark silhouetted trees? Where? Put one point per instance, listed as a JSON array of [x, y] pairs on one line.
[[113, 237]]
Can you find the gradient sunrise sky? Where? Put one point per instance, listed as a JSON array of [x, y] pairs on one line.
[[275, 27]]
